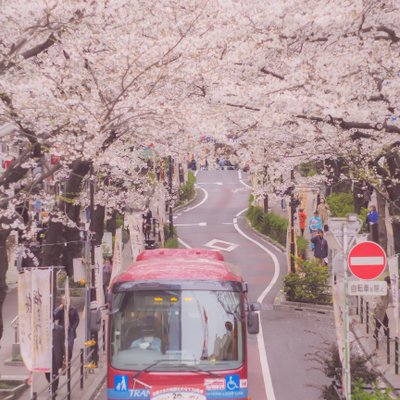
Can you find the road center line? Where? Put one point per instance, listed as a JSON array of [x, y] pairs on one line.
[[269, 390]]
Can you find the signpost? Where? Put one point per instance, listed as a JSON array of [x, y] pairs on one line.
[[367, 260]]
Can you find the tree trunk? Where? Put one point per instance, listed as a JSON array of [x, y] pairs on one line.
[[97, 224], [63, 243], [111, 224], [382, 232], [3, 272]]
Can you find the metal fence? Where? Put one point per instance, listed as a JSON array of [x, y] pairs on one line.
[[76, 372], [367, 318]]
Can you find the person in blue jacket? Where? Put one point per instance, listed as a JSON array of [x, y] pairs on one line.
[[314, 226], [372, 222]]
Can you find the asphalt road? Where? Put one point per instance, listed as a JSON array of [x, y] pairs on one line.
[[281, 362], [290, 337]]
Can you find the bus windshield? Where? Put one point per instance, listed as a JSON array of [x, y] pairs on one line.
[[191, 327]]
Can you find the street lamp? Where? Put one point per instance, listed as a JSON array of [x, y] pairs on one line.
[[341, 235]]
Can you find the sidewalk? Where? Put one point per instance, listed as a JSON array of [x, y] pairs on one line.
[[366, 342], [17, 369]]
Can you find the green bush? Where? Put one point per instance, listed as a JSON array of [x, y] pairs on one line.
[[310, 285], [302, 245], [187, 190], [172, 243], [361, 373], [308, 168], [268, 224], [341, 204], [374, 394]]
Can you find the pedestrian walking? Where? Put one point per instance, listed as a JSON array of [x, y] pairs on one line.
[[57, 357], [73, 318], [314, 226], [372, 222], [324, 212], [283, 200], [320, 247], [302, 220], [381, 317]]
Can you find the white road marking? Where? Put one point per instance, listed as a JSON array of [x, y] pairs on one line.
[[184, 243], [241, 181], [197, 205], [269, 390], [214, 245], [209, 183], [196, 172], [367, 260], [194, 224], [227, 223]]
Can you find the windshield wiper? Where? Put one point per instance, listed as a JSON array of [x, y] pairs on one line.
[[148, 367], [194, 368]]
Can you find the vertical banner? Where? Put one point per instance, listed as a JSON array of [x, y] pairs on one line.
[[79, 270], [98, 278], [98, 275], [394, 286], [25, 316], [117, 258], [136, 236], [41, 320]]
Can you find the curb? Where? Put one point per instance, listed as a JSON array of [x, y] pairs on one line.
[[96, 385], [280, 303], [265, 237], [184, 205]]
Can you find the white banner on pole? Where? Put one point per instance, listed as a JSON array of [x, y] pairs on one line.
[[117, 257], [394, 285], [98, 275], [25, 316], [79, 270], [135, 221], [41, 320]]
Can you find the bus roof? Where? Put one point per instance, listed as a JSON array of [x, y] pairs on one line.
[[179, 267], [180, 253]]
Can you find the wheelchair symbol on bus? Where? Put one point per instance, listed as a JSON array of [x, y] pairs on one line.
[[232, 382]]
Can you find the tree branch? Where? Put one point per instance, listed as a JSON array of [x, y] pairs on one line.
[[265, 71]]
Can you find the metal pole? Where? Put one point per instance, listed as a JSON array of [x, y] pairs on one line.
[[396, 355], [367, 316], [292, 238], [171, 218], [388, 344], [347, 380], [81, 367], [362, 310]]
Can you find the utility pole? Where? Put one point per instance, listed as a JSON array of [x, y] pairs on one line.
[[293, 204], [171, 219], [342, 233]]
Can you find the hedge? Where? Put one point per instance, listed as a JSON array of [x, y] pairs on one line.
[[310, 285], [268, 224], [187, 190]]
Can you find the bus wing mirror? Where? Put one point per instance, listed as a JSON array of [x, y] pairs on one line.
[[255, 306], [253, 323]]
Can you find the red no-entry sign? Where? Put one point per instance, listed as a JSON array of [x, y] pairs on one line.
[[367, 260]]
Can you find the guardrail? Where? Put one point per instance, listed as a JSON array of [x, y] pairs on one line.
[[367, 317], [76, 372]]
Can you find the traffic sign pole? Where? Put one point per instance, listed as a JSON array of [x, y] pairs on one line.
[[347, 377]]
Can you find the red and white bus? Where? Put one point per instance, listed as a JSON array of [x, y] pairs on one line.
[[177, 328]]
